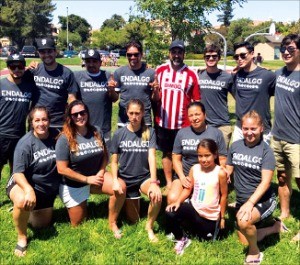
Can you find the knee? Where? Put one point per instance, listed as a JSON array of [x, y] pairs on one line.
[[19, 203], [172, 197], [282, 178], [242, 225]]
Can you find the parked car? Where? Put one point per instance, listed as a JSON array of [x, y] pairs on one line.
[[103, 52], [70, 53], [29, 51], [7, 50], [114, 53]]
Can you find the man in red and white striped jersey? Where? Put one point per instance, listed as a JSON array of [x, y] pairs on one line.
[[178, 86]]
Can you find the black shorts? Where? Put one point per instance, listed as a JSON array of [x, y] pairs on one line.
[[133, 187], [165, 139], [265, 208], [43, 200], [7, 148]]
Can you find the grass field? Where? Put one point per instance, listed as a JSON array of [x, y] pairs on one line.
[[93, 243]]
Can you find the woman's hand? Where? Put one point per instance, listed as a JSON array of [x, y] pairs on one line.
[[245, 212], [154, 193], [29, 200], [173, 207], [222, 223], [186, 182], [95, 180], [117, 186]]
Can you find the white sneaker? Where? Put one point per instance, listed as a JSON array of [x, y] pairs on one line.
[[181, 245]]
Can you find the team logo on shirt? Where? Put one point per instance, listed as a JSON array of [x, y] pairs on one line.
[[88, 148], [44, 155], [134, 146], [287, 84], [247, 160], [249, 82]]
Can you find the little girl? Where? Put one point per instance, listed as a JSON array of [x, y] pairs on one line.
[[208, 202]]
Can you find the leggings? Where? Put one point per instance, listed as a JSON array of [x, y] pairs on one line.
[[201, 227]]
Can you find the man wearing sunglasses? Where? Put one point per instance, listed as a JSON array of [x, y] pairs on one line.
[[55, 83], [178, 86], [97, 91], [253, 87], [215, 85], [134, 81], [15, 98], [286, 130]]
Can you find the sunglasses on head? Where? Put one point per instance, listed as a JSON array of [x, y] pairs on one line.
[[129, 55], [290, 49], [81, 113], [19, 66], [242, 55], [207, 57]]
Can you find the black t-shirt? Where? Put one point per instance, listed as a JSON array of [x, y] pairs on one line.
[[14, 106], [35, 158]]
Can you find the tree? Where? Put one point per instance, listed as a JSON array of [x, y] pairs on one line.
[[116, 22], [73, 38], [183, 16], [109, 37], [76, 24], [25, 20]]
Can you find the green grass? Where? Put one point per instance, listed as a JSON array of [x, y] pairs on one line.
[[93, 243]]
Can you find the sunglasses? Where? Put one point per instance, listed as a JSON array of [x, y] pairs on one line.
[[207, 57], [19, 66], [242, 55], [129, 55], [290, 49], [81, 113]]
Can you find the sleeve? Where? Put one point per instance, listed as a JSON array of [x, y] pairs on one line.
[[77, 80], [196, 87], [221, 143], [230, 84], [22, 157], [229, 156], [272, 84], [268, 162], [152, 140], [177, 147], [72, 84], [62, 149], [114, 148]]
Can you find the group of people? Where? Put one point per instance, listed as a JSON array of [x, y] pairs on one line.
[[191, 128]]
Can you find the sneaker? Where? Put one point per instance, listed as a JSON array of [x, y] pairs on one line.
[[171, 237], [181, 245]]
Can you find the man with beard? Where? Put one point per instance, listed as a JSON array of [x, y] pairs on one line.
[[134, 80], [178, 86], [55, 83], [15, 98], [97, 91]]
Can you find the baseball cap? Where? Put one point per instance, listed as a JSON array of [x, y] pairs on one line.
[[177, 44], [15, 58], [45, 43], [91, 54]]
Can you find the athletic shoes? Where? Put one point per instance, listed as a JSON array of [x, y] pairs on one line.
[[181, 245]]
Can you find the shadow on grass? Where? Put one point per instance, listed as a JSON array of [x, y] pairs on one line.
[[44, 233]]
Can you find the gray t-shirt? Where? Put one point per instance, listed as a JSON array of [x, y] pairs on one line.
[[252, 92], [14, 106], [53, 90], [132, 152], [186, 142], [248, 163], [214, 92], [93, 92], [287, 106], [87, 161], [35, 158], [134, 84]]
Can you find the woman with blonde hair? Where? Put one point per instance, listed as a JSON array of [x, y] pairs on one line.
[[81, 158], [133, 148]]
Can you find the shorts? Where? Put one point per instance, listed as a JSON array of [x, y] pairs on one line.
[[165, 139], [7, 148], [72, 197], [43, 199], [265, 208], [287, 157], [238, 135], [133, 187], [227, 132]]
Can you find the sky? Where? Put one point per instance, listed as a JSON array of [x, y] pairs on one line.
[[95, 12]]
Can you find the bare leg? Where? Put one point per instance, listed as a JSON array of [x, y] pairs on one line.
[[285, 193], [132, 209], [78, 213], [175, 191], [168, 169]]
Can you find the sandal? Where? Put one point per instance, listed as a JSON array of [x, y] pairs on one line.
[[283, 228], [20, 251], [256, 261]]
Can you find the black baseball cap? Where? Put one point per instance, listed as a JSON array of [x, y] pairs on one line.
[[15, 58], [45, 43], [177, 44], [91, 54]]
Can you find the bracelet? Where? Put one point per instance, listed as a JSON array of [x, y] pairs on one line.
[[155, 182]]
